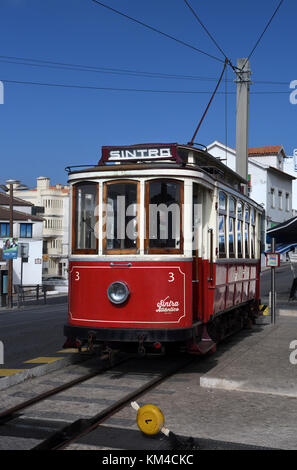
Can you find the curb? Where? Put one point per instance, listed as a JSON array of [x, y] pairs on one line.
[[56, 362]]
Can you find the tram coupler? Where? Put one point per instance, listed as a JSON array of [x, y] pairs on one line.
[[111, 354], [91, 337]]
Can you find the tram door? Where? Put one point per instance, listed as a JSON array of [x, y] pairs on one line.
[[196, 249]]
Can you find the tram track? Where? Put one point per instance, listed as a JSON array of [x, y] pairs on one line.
[[10, 413], [81, 427], [20, 420]]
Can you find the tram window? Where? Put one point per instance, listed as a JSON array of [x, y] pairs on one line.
[[231, 237], [247, 232], [239, 230], [222, 224], [121, 216], [232, 213], [253, 233], [222, 239], [164, 216], [222, 201], [84, 218]]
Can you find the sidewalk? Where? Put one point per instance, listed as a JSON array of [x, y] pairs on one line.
[[50, 300]]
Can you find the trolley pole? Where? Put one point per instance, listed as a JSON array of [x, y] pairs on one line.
[[273, 285]]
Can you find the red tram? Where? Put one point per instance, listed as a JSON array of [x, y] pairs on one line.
[[165, 250]]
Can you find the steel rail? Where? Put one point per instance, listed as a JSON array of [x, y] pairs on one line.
[[70, 433], [9, 414]]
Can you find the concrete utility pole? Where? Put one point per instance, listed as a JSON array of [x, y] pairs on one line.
[[242, 118], [10, 183]]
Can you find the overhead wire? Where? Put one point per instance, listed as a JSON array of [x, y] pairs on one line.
[[139, 90], [152, 28], [209, 34], [209, 103], [262, 34], [104, 70], [117, 71]]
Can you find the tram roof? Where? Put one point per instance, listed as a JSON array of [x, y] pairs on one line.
[[159, 155]]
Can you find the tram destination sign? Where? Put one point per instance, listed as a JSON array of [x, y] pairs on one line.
[[146, 152]]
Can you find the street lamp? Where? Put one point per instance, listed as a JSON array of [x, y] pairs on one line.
[[9, 187]]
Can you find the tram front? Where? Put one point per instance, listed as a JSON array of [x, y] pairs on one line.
[[130, 276]]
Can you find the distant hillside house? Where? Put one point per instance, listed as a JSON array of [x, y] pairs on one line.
[[27, 228], [53, 203]]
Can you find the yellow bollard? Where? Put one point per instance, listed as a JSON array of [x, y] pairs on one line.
[[150, 419]]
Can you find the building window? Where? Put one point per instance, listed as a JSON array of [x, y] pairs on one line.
[[4, 230], [280, 200], [287, 202], [272, 198], [25, 230]]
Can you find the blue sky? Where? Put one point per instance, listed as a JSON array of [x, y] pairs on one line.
[[43, 129]]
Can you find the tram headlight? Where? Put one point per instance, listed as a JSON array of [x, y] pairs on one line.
[[118, 292]]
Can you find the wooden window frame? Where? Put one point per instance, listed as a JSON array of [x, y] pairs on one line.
[[86, 251], [163, 251], [106, 184]]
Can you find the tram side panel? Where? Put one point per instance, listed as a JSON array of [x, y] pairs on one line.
[[160, 295], [223, 286]]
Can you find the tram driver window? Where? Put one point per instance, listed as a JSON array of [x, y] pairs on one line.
[[164, 217], [84, 218], [121, 216]]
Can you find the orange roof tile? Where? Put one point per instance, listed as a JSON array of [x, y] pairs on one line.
[[269, 150]]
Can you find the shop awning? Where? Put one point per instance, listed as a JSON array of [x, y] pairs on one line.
[[283, 247], [284, 233]]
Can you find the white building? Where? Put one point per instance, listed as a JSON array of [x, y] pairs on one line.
[[53, 204], [27, 228], [269, 184], [290, 166], [226, 154]]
